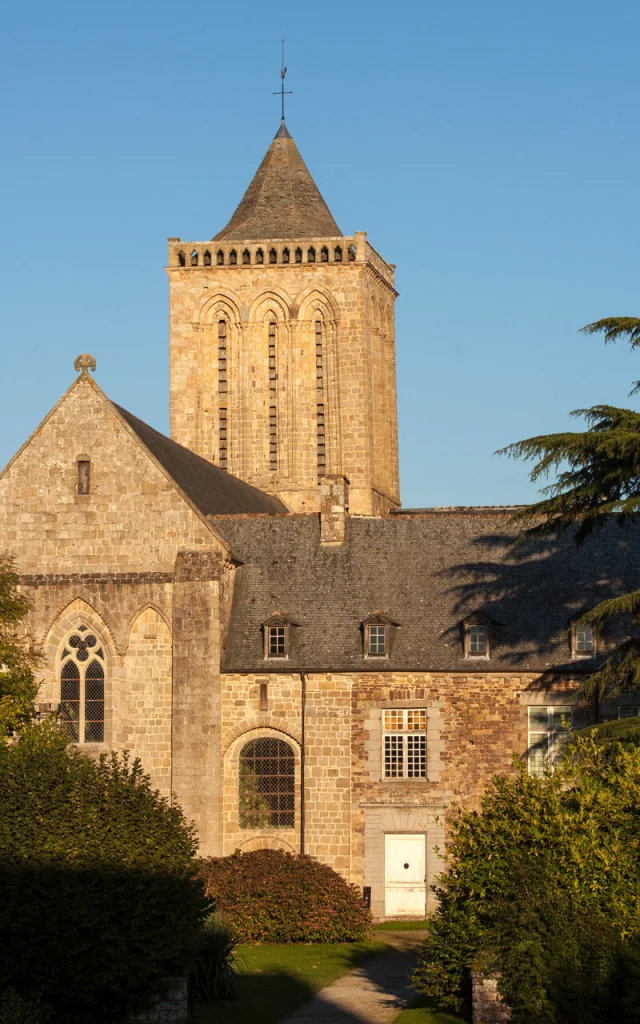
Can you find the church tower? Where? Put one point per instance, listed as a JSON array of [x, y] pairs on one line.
[[282, 345]]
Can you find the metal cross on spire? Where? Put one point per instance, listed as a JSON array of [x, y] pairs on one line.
[[282, 92]]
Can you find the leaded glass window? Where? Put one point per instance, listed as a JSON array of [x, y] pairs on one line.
[[405, 743], [82, 686], [267, 784]]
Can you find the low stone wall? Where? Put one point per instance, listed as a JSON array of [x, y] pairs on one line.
[[488, 1007], [172, 1006]]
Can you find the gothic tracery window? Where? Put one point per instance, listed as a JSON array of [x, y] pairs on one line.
[[82, 686], [266, 784]]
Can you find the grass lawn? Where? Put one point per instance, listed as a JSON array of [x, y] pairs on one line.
[[424, 1012], [410, 925], [274, 980]]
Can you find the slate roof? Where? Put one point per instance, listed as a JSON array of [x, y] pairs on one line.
[[212, 490], [427, 571], [282, 201]]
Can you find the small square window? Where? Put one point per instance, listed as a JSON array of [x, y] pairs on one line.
[[276, 641], [584, 642], [376, 646]]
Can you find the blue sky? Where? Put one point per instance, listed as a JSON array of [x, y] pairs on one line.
[[490, 150]]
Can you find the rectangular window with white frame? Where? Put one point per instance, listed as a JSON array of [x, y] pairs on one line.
[[548, 733], [405, 743]]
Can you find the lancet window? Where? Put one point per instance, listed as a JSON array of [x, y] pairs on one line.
[[321, 451], [82, 686], [273, 409]]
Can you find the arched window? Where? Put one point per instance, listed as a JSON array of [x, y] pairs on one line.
[[311, 255], [233, 257], [352, 253], [337, 254], [266, 784], [273, 406], [194, 258], [182, 259], [273, 256], [206, 259], [285, 255], [324, 254], [220, 258], [259, 256], [298, 255], [82, 687], [246, 257]]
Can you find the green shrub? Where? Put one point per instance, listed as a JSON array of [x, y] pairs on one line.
[[99, 895], [576, 832], [272, 896], [212, 974]]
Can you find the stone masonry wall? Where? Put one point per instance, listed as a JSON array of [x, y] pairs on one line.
[[354, 301]]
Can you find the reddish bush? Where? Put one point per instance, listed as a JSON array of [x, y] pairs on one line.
[[272, 896]]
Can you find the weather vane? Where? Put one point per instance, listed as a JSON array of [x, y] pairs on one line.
[[282, 92]]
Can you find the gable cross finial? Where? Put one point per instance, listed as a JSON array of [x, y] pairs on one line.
[[281, 91], [84, 363]]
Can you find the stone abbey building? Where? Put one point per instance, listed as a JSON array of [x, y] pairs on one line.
[[246, 607]]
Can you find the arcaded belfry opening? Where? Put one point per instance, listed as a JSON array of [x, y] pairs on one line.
[[267, 784]]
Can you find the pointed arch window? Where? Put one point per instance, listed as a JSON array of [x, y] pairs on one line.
[[273, 256], [324, 254], [321, 450], [298, 255], [182, 259], [233, 257], [266, 781], [206, 259], [220, 258], [337, 254], [246, 257], [285, 255], [352, 253], [194, 258], [259, 256], [82, 686], [311, 255]]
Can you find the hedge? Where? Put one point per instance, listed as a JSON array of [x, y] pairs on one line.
[[99, 895], [272, 896]]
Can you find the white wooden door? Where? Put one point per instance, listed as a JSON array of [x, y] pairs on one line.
[[405, 870]]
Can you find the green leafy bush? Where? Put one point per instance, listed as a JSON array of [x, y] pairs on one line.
[[575, 833], [212, 974], [272, 896], [99, 895]]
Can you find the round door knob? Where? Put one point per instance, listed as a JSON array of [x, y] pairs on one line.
[[406, 865]]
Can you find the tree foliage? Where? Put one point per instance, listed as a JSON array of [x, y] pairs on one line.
[[273, 896], [17, 686], [597, 479], [99, 895], [575, 830]]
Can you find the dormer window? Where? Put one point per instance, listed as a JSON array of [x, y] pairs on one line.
[[277, 635], [583, 640], [377, 634], [477, 636], [376, 641], [276, 641]]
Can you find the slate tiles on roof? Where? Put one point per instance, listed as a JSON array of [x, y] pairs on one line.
[[429, 572], [282, 201], [212, 490]]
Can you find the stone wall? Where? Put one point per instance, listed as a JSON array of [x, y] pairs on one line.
[[488, 1007], [355, 385]]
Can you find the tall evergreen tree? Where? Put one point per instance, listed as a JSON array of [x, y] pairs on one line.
[[597, 479]]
